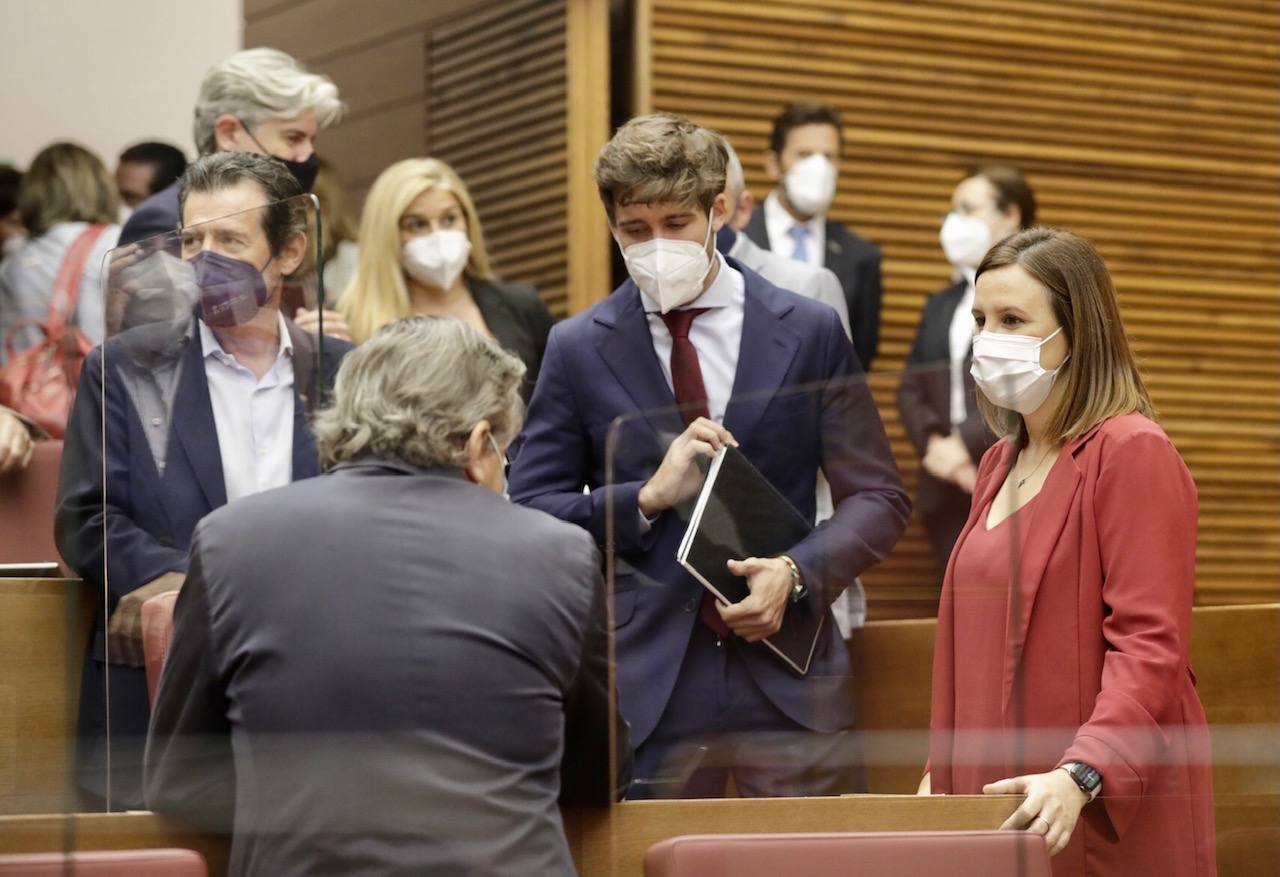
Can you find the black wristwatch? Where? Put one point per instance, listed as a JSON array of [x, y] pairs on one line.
[[1088, 779]]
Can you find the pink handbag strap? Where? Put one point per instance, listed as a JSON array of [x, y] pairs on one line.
[[66, 288]]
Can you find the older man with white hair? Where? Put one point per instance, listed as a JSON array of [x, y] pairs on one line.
[[391, 669], [258, 100]]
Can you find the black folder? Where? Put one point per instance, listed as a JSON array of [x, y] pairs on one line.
[[739, 514]]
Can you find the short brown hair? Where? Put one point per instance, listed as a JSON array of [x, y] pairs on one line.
[[800, 114], [66, 183], [658, 158], [1011, 188], [1102, 378]]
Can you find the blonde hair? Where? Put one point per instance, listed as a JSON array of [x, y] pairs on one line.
[[415, 392], [662, 157], [259, 84], [378, 294], [66, 183], [1101, 377]]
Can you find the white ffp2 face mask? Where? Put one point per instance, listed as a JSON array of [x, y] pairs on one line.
[[1007, 370], [670, 272], [436, 259], [965, 240], [811, 184]]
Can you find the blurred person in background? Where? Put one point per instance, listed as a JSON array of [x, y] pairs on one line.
[[422, 251], [12, 233], [936, 397], [66, 195], [16, 434], [803, 159], [339, 246], [258, 100], [145, 168], [1061, 669]]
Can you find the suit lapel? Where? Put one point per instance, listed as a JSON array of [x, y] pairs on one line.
[[624, 343], [194, 426], [765, 355], [1031, 557], [305, 357]]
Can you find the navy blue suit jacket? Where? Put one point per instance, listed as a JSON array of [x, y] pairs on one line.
[[799, 402], [156, 215], [163, 474]]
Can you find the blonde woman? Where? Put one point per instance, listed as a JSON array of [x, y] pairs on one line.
[[422, 252]]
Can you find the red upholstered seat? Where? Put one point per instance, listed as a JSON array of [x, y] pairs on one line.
[[116, 863], [892, 854], [27, 499], [157, 630]]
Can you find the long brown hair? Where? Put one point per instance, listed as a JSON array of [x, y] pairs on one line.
[[66, 183], [1101, 377]]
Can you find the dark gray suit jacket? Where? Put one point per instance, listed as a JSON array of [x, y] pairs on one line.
[[381, 670], [856, 262]]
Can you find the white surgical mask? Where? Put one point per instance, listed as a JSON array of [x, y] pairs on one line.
[[437, 258], [965, 240], [1007, 370], [811, 184], [670, 272]]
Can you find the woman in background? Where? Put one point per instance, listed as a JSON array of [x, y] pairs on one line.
[[422, 252], [65, 196], [1061, 668], [936, 397]]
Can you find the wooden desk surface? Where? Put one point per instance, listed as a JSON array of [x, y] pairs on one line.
[[606, 842]]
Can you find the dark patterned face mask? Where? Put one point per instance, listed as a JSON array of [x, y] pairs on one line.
[[232, 291]]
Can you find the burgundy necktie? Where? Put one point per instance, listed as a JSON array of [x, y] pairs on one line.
[[691, 396]]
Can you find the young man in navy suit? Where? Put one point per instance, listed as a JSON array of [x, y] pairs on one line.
[[695, 352]]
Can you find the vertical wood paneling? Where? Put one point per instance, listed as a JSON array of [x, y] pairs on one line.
[[1152, 128], [499, 114]]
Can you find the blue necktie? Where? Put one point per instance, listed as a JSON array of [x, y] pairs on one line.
[[800, 234]]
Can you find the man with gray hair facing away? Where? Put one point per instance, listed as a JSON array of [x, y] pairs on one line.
[[411, 692], [258, 100]]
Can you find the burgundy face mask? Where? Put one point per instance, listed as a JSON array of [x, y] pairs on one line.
[[232, 291]]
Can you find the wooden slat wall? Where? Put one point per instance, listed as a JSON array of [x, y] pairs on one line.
[[498, 114], [1152, 128], [486, 86]]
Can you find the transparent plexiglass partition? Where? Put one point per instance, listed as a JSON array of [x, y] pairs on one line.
[[776, 505], [200, 396]]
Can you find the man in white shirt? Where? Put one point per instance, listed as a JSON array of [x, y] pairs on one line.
[[803, 158], [187, 415]]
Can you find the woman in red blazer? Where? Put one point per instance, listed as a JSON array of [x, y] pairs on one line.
[[1061, 667]]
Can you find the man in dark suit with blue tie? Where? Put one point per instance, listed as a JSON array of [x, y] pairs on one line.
[[183, 416], [803, 158], [696, 351]]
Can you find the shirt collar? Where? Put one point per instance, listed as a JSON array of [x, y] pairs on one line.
[[725, 291], [210, 346], [777, 216]]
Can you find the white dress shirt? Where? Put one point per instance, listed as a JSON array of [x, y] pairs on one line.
[[254, 418], [778, 223], [960, 341], [716, 335]]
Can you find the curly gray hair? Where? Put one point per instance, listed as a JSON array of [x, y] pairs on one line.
[[414, 392]]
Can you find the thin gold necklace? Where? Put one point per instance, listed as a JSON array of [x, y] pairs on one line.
[[1044, 457]]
